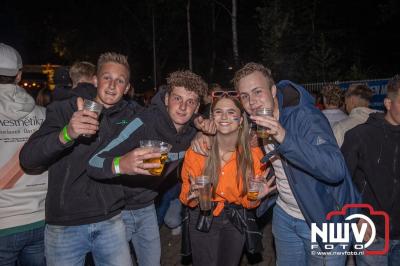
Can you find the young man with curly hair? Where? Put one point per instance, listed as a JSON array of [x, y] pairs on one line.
[[168, 119]]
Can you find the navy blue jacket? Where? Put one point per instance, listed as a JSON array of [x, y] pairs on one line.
[[312, 161]]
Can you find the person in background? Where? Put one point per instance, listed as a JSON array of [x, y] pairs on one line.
[[82, 75], [82, 72], [372, 152], [63, 84], [207, 100], [230, 164], [332, 97], [44, 97], [357, 99], [22, 196]]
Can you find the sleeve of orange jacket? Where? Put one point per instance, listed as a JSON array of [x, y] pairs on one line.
[[193, 166], [259, 170]]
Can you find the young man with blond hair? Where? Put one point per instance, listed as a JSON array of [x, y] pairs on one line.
[[82, 72], [83, 214]]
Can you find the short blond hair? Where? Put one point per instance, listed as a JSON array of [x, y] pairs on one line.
[[187, 79], [250, 68], [112, 57], [82, 69]]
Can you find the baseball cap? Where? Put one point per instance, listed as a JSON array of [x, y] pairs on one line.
[[10, 60]]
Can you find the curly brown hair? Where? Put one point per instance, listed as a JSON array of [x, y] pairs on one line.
[[250, 68], [332, 94], [188, 80]]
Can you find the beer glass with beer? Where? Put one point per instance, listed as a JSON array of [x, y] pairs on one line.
[[254, 185], [157, 146], [261, 130], [203, 184]]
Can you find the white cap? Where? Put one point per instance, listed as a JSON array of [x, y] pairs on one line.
[[10, 61]]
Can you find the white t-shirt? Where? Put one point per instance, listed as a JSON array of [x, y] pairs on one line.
[[285, 199]]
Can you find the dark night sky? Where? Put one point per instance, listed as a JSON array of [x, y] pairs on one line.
[[361, 33]]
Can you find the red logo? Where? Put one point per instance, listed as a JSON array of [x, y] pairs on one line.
[[359, 233]]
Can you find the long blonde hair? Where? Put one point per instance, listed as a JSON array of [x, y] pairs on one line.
[[244, 159]]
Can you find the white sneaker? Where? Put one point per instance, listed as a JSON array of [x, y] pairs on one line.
[[176, 231]]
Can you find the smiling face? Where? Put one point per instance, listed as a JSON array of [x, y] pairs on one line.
[[227, 116], [181, 105], [112, 83], [256, 92]]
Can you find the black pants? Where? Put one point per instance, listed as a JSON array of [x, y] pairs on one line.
[[221, 246]]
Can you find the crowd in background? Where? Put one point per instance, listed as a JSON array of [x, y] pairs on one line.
[[95, 176]]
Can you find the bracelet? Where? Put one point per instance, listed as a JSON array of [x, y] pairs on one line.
[[66, 137], [116, 165]]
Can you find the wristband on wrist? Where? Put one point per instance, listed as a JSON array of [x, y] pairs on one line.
[[66, 137], [116, 165]]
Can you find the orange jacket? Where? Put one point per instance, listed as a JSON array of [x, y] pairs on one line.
[[227, 190]]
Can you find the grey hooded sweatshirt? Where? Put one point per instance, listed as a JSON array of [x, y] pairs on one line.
[[21, 196]]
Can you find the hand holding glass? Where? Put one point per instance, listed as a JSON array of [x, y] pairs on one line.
[[93, 107], [203, 185], [261, 130], [253, 187], [156, 146]]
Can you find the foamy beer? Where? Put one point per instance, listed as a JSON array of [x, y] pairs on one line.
[[156, 146], [253, 187]]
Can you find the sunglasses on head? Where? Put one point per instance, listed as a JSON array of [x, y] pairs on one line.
[[220, 94]]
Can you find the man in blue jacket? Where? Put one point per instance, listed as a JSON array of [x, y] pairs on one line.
[[311, 174]]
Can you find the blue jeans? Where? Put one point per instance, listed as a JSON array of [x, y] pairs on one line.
[[142, 229], [68, 245], [165, 203], [392, 258], [26, 248], [293, 243]]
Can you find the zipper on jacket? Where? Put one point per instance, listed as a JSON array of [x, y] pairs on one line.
[[64, 186]]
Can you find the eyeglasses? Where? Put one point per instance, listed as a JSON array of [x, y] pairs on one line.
[[220, 94]]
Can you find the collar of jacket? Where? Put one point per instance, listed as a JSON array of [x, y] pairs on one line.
[[378, 120]]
